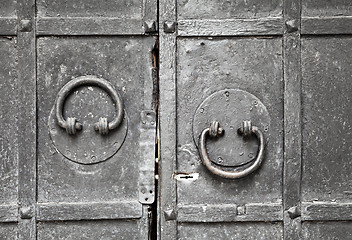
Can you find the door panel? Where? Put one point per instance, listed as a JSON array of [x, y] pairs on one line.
[[315, 8], [327, 230], [8, 118], [230, 231], [204, 67], [47, 193], [256, 47], [80, 8], [8, 231], [210, 9], [60, 60], [106, 229], [327, 123]]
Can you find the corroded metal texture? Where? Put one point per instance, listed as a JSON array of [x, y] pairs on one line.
[[294, 56]]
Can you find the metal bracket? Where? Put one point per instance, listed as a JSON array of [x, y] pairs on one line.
[[147, 154]]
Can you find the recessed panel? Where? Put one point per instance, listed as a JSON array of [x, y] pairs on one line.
[[8, 8], [328, 8], [206, 66], [90, 8], [327, 119], [215, 231], [218, 9], [100, 230], [8, 231], [326, 230], [8, 119], [124, 62]]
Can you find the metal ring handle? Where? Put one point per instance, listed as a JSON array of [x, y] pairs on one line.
[[103, 126], [214, 131]]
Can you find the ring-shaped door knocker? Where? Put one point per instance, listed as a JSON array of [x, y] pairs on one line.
[[214, 131], [71, 124]]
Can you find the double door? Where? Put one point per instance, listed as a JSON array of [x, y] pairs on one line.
[[176, 119]]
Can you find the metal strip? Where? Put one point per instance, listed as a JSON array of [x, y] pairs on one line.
[[230, 27], [147, 156], [253, 212], [167, 229], [8, 26], [8, 213], [292, 120], [324, 211], [89, 26], [148, 132], [89, 211], [327, 25], [27, 118]]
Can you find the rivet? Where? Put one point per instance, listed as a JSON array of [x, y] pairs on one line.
[[241, 210], [293, 212], [25, 25], [170, 215], [292, 25], [169, 27], [26, 212], [150, 26]]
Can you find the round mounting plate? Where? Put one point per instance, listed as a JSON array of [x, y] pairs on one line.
[[87, 146], [230, 107]]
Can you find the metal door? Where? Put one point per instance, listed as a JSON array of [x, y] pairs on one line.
[[246, 104], [286, 67], [78, 119]]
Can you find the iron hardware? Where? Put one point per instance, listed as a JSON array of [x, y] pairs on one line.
[[103, 126], [214, 131]]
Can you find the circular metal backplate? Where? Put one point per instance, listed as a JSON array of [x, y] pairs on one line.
[[230, 107], [87, 146]]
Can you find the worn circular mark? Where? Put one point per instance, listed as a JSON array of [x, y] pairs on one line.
[[230, 107]]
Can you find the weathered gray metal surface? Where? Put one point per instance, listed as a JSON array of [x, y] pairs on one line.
[[9, 123], [214, 231], [327, 121], [327, 230], [31, 77], [205, 47], [207, 66], [115, 179], [101, 230], [210, 9], [80, 17], [208, 56], [8, 231]]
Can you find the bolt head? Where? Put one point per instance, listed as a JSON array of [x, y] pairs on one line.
[[291, 26], [150, 26], [25, 25], [169, 26], [26, 212]]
